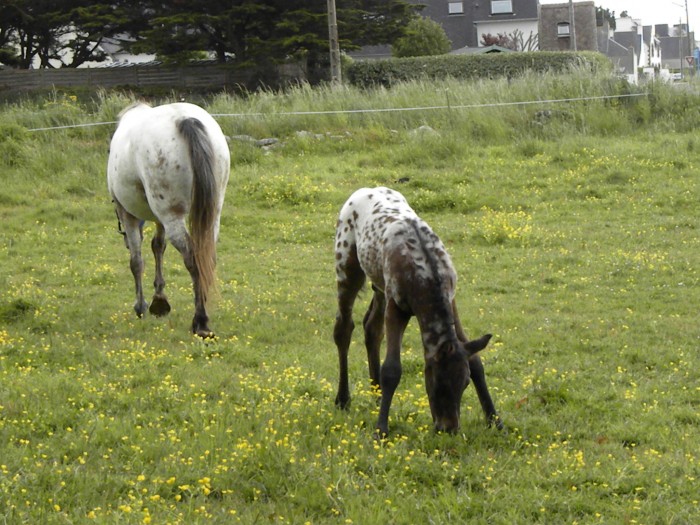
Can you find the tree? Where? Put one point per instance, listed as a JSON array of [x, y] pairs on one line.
[[422, 37], [68, 33], [602, 15], [60, 32], [515, 40], [253, 32], [501, 40]]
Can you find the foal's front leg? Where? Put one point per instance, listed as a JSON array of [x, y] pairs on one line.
[[159, 303], [478, 377], [342, 333], [395, 321]]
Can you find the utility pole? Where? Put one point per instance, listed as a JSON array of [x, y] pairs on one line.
[[572, 25], [687, 29], [336, 77]]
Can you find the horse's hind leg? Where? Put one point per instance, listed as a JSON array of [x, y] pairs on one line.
[[134, 236], [179, 238], [159, 305]]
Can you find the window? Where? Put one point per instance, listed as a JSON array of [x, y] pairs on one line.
[[500, 7], [563, 29], [455, 8]]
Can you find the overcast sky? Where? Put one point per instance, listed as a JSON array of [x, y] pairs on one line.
[[651, 11]]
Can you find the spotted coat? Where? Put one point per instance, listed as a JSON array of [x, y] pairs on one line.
[[397, 251]]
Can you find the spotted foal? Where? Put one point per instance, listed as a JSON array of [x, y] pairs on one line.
[[379, 236]]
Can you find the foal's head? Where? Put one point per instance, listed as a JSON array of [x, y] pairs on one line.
[[446, 376]]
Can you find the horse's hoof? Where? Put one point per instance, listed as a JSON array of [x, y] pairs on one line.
[[140, 309], [159, 306]]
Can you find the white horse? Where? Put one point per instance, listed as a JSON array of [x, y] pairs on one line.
[[166, 164]]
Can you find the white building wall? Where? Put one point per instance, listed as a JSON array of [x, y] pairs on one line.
[[628, 24]]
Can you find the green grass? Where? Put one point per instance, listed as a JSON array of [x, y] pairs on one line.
[[576, 243]]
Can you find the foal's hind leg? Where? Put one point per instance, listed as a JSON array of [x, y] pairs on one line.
[[159, 305], [373, 324], [179, 238], [350, 281], [134, 236]]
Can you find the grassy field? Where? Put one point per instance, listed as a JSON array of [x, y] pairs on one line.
[[574, 230]]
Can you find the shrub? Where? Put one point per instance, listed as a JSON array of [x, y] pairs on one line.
[[391, 71], [423, 37]]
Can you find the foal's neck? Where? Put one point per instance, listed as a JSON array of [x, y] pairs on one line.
[[436, 321]]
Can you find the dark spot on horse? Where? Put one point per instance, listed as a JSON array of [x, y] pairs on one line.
[[338, 245], [349, 222], [338, 256], [370, 196], [354, 214], [345, 244], [345, 229], [160, 196], [178, 209], [376, 210]]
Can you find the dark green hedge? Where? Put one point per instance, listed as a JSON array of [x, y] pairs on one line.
[[368, 73]]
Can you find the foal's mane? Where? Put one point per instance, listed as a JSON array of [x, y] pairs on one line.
[[435, 296]]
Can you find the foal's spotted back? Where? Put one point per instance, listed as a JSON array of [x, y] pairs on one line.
[[379, 236]]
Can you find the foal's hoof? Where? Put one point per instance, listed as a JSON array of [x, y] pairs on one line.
[[380, 434], [496, 421], [342, 403], [205, 333], [159, 306]]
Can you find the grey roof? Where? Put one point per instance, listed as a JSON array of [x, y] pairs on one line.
[[615, 49], [670, 46], [661, 30], [629, 39]]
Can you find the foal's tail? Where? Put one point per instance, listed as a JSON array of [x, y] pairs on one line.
[[205, 198]]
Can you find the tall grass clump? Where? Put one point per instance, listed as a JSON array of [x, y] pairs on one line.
[[535, 104]]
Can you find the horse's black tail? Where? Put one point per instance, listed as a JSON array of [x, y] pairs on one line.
[[205, 198]]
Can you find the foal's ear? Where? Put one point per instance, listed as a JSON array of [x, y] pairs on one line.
[[441, 351], [477, 345]]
